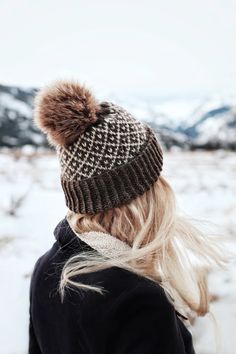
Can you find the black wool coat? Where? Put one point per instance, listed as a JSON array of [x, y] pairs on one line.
[[133, 317]]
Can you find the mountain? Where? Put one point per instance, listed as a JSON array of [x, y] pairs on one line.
[[188, 124], [213, 125], [194, 123], [16, 126]]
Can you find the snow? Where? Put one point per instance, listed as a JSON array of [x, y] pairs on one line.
[[178, 109], [220, 129], [32, 203], [206, 105], [169, 111], [10, 102]]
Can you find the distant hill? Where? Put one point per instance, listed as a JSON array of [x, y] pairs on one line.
[[211, 124], [16, 125]]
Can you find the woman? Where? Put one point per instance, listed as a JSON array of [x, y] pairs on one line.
[[120, 278]]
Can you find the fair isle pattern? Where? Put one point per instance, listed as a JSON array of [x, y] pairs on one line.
[[113, 142]]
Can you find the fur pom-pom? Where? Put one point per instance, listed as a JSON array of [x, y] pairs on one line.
[[64, 110]]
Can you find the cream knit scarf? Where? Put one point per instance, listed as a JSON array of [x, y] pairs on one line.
[[104, 243]]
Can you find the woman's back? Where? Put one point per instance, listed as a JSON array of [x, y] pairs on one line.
[[133, 316]]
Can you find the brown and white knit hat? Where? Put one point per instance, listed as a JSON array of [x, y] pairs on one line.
[[107, 157]]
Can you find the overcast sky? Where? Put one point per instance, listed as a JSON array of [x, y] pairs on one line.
[[156, 47]]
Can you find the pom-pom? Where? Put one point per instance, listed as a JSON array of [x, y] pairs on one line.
[[64, 110]]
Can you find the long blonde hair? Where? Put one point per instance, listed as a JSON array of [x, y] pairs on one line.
[[164, 247]]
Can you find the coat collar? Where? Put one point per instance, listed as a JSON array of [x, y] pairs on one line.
[[104, 243]]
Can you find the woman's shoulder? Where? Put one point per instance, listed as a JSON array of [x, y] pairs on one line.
[[122, 279], [117, 283], [124, 289]]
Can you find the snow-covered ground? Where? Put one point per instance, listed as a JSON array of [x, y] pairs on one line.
[[32, 203]]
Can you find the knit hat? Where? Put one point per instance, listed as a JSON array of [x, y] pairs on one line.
[[107, 157]]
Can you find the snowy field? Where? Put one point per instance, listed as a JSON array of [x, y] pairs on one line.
[[32, 203]]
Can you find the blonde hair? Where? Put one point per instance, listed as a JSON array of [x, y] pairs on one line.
[[165, 248]]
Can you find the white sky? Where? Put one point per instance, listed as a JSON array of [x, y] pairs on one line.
[[155, 47]]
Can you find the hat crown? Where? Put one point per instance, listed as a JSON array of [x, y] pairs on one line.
[[113, 141]]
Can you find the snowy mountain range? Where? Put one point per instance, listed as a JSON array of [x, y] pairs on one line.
[[190, 124]]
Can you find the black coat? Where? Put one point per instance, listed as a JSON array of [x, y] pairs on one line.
[[133, 317]]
